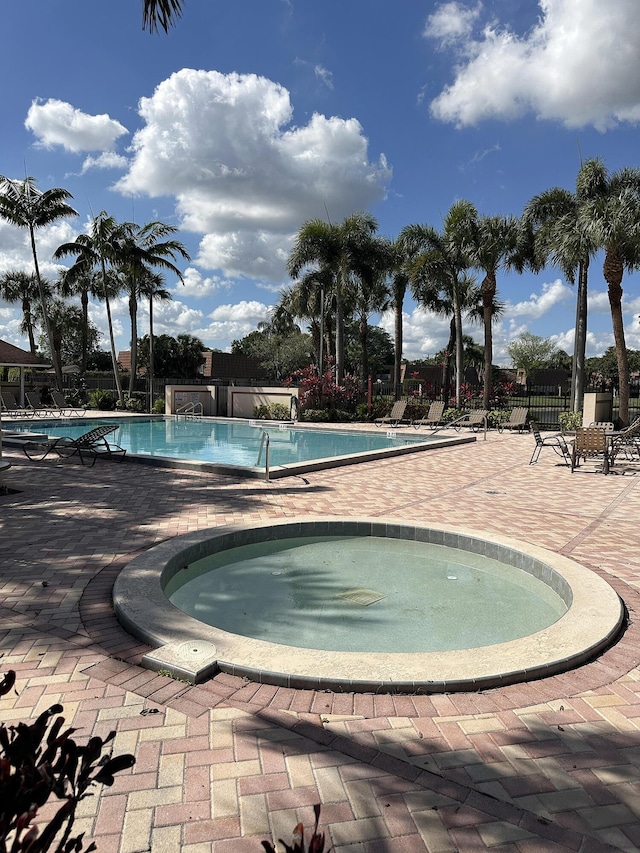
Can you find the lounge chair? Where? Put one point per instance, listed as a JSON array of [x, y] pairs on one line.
[[556, 442], [61, 405], [396, 415], [627, 442], [91, 445], [34, 402], [591, 441], [517, 419], [10, 406], [476, 420], [433, 418]]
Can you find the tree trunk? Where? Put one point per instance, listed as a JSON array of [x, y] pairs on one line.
[[488, 295], [580, 342], [397, 327], [446, 364], [133, 314], [114, 357], [459, 345], [45, 314], [26, 313], [613, 270], [84, 302], [363, 328], [151, 377]]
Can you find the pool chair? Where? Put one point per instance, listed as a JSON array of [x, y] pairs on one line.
[[627, 442], [34, 402], [517, 419], [10, 406], [63, 408], [475, 420], [92, 445], [556, 442], [395, 416], [433, 418], [592, 441]]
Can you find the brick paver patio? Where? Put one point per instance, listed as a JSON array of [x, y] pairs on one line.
[[551, 765]]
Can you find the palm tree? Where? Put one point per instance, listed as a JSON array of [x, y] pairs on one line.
[[160, 13], [339, 251], [139, 250], [152, 286], [98, 250], [83, 284], [439, 267], [610, 217], [371, 293], [20, 286], [25, 206], [399, 284], [553, 227], [494, 246]]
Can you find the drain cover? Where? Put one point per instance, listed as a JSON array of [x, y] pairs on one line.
[[361, 596]]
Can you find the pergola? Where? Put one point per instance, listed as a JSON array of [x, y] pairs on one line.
[[11, 356]]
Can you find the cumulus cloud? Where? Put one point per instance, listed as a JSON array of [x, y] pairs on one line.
[[106, 160], [243, 174], [56, 122], [195, 284], [579, 65], [232, 322], [540, 304]]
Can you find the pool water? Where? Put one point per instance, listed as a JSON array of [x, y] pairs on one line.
[[226, 442], [364, 594]]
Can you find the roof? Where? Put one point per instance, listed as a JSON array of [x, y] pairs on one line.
[[11, 356], [216, 365]]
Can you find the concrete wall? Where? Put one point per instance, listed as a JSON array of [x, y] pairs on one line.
[[597, 408], [242, 400], [176, 396]]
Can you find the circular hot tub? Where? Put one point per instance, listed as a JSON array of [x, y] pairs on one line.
[[364, 605]]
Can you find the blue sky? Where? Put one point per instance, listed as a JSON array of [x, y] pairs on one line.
[[251, 117]]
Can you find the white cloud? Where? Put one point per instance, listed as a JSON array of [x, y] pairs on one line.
[[243, 174], [196, 285], [538, 305], [324, 75], [452, 22], [579, 65], [106, 160], [231, 322], [58, 123]]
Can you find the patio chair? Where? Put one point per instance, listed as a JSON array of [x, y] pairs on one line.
[[34, 402], [61, 405], [396, 416], [476, 420], [90, 445], [556, 442], [517, 419], [433, 418], [591, 441], [10, 406], [627, 442]]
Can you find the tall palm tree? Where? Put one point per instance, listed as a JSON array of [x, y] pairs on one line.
[[25, 206], [339, 250], [83, 284], [139, 250], [398, 285], [553, 224], [439, 267], [20, 286], [495, 240], [610, 217], [97, 250], [160, 13], [152, 286], [371, 292]]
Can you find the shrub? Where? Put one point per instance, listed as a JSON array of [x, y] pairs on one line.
[[131, 404], [271, 412], [316, 842], [315, 415], [101, 400], [158, 406], [570, 421], [39, 760]]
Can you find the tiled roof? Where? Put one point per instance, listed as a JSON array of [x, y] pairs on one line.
[[11, 356]]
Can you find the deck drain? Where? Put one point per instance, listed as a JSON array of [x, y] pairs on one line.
[[360, 595]]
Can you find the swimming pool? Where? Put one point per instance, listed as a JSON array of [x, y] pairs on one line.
[[239, 445]]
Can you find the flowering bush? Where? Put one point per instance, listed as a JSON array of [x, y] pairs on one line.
[[322, 392]]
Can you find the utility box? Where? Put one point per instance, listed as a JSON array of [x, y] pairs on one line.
[[597, 408]]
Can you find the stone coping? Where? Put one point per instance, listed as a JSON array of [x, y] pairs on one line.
[[190, 649]]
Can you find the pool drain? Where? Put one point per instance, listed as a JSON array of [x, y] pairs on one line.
[[360, 595]]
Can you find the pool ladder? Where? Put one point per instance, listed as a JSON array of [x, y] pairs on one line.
[[264, 442], [190, 411]]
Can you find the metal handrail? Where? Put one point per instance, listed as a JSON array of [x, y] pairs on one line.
[[264, 442], [193, 409], [458, 421]]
